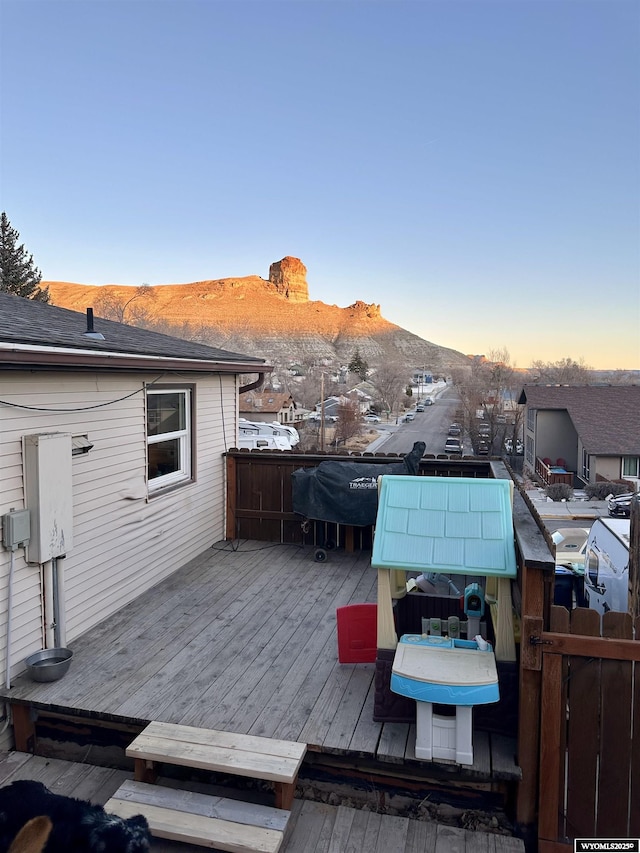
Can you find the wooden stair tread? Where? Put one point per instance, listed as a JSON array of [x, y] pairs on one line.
[[188, 817], [263, 758]]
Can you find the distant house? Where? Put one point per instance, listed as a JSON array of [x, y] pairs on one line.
[[267, 406], [595, 430], [363, 395], [112, 438], [331, 407], [332, 404]]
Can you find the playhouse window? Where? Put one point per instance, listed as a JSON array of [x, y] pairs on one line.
[[169, 445]]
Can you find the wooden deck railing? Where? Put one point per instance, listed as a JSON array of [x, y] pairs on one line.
[[551, 474]]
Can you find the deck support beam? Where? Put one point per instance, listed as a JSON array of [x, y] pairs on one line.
[[24, 728]]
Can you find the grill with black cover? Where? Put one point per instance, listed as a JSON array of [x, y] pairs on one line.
[[346, 492]]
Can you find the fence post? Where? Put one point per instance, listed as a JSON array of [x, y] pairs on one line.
[[550, 752], [232, 498], [530, 687], [634, 559]]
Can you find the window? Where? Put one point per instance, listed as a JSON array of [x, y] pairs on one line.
[[591, 563], [631, 466], [531, 419], [169, 455], [529, 449]]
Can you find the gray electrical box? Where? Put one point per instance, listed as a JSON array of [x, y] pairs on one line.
[[16, 528], [48, 494]]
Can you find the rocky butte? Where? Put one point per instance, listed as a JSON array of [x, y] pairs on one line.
[[272, 318]]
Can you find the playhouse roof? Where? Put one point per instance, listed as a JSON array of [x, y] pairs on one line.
[[453, 525]]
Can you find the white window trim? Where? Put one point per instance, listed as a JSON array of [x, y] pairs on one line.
[[183, 474]]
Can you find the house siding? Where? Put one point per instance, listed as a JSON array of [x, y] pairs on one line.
[[123, 542], [554, 436], [608, 468]]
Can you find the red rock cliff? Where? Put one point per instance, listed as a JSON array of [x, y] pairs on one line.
[[289, 276]]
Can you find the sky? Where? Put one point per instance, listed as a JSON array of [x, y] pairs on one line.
[[472, 166]]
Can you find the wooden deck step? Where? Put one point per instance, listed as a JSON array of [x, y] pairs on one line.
[[193, 818], [265, 758]]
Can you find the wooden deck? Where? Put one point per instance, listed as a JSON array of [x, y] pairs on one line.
[[243, 639], [314, 827]]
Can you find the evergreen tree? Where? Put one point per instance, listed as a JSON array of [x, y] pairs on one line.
[[17, 273], [358, 365]]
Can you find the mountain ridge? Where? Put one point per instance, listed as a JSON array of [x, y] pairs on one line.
[[274, 318]]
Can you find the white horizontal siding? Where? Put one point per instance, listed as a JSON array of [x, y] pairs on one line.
[[124, 543]]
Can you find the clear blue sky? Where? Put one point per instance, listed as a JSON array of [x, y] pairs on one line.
[[473, 167]]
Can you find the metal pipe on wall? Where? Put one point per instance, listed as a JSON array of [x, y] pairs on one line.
[[59, 604], [9, 616], [49, 610]]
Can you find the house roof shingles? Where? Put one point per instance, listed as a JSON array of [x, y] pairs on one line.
[[25, 323], [269, 401], [607, 418]]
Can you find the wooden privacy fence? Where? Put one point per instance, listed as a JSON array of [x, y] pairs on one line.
[[259, 496], [589, 729]]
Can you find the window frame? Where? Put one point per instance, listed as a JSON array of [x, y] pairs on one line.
[[528, 441], [531, 419], [626, 463], [185, 473]]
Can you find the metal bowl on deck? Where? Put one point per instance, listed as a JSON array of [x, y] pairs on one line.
[[48, 664]]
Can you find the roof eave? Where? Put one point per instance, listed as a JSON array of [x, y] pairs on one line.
[[115, 361]]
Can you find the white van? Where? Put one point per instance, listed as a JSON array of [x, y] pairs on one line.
[[606, 565]]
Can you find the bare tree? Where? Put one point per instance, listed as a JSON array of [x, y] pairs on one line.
[[488, 393], [349, 421], [390, 381], [566, 371], [112, 305], [307, 391]]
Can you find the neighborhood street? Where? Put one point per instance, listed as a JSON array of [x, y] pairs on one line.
[[429, 426]]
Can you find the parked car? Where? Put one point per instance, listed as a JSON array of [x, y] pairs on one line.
[[371, 419], [455, 429], [409, 416], [453, 445], [328, 419], [619, 506], [428, 402], [484, 429], [482, 448], [420, 408]]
